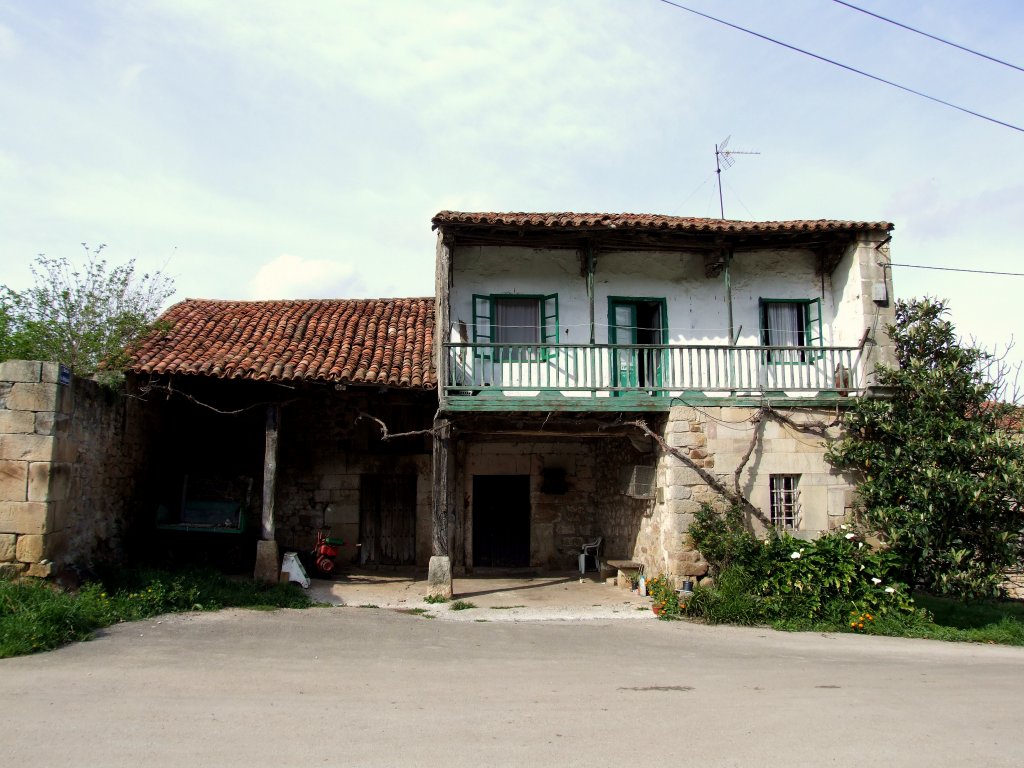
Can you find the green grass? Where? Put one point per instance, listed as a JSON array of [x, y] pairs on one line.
[[432, 599], [36, 616], [505, 607], [462, 605]]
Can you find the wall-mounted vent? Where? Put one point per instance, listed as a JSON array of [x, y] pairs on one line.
[[553, 481], [639, 481]]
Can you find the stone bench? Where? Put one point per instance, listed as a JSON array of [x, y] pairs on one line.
[[625, 571]]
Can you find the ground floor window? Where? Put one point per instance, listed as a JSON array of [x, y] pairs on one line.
[[785, 501]]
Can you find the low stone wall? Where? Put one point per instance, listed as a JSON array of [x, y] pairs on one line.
[[70, 461]]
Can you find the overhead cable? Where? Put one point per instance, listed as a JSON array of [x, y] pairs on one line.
[[847, 67], [930, 36]]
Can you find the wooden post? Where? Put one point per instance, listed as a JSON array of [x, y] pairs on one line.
[[268, 566], [440, 539], [439, 577], [270, 470]]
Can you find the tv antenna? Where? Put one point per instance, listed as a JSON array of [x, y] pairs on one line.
[[723, 162]]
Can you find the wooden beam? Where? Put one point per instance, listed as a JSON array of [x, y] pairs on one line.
[[273, 425], [443, 490]]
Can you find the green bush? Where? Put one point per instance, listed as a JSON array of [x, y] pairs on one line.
[[790, 580], [36, 616]]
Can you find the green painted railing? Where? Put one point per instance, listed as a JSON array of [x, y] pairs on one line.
[[655, 369]]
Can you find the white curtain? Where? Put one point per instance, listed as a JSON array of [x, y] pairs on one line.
[[517, 321], [785, 323]]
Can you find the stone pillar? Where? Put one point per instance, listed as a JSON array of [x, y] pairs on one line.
[[439, 576]]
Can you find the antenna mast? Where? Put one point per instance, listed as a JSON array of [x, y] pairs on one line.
[[723, 162]]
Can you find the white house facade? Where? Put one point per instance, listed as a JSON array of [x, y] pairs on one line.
[[738, 345]]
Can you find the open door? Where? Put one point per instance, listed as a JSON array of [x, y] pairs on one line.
[[501, 521]]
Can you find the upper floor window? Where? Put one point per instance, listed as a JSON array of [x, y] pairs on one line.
[[790, 323], [519, 321]]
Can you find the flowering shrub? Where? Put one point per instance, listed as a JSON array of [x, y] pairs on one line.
[[662, 591], [791, 579]]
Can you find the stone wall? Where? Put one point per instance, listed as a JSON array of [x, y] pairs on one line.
[[326, 449], [72, 459], [715, 439], [591, 504]]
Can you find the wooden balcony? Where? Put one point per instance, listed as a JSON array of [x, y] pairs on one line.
[[641, 377]]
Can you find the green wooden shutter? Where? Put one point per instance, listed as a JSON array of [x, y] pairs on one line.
[[813, 331], [549, 324], [483, 323]]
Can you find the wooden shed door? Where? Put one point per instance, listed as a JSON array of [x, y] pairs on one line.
[[387, 519], [501, 521]]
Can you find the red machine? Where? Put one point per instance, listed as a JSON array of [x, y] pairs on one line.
[[325, 551]]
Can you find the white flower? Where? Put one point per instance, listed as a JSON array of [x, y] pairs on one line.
[[890, 590], [860, 544], [795, 556], [875, 581], [844, 526], [851, 536]]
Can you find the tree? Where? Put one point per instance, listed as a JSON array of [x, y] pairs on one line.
[[84, 318], [942, 481]]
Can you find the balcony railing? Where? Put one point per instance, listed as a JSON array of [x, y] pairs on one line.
[[616, 369]]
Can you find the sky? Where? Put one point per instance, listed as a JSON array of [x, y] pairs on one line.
[[268, 149]]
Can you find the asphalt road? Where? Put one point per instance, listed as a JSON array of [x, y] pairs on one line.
[[372, 687]]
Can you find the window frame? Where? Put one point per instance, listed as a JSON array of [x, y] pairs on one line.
[[485, 308], [784, 503], [813, 334]]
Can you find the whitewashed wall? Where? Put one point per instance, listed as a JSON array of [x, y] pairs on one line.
[[697, 312]]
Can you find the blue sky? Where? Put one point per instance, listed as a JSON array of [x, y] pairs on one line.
[[267, 149]]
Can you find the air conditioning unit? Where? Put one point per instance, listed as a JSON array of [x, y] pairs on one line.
[[639, 481]]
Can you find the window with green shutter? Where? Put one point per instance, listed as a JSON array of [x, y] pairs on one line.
[[517, 320], [791, 323]]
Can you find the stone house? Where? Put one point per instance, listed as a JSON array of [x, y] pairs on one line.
[[603, 375], [575, 376]]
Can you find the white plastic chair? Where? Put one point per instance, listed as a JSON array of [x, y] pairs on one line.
[[591, 548]]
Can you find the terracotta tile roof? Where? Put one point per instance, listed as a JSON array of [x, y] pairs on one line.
[[644, 221], [358, 341]]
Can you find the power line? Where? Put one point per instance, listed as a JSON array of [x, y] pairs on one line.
[[957, 269], [932, 37], [847, 67]]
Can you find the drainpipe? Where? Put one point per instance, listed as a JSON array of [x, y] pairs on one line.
[[728, 293], [591, 265]]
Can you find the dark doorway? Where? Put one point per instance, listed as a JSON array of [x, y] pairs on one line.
[[387, 519], [501, 521]]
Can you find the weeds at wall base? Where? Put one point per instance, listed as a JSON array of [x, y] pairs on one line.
[[37, 616]]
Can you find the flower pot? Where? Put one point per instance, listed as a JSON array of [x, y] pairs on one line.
[[656, 607]]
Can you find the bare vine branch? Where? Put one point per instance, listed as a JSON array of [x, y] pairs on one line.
[[386, 435], [713, 482], [145, 389]]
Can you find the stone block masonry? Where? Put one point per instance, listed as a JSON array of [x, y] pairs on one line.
[[715, 439], [69, 461]]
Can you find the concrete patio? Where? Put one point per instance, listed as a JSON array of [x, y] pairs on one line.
[[497, 595]]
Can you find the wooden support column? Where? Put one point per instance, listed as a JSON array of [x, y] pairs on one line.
[[439, 577], [268, 565]]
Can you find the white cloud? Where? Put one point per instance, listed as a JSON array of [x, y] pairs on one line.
[[294, 277], [8, 43]]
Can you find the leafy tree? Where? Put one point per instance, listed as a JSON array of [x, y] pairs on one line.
[[942, 481], [84, 318]]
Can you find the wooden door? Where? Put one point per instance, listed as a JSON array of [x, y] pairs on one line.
[[387, 519]]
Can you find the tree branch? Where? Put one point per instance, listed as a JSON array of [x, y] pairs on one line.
[[712, 481], [386, 435]]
